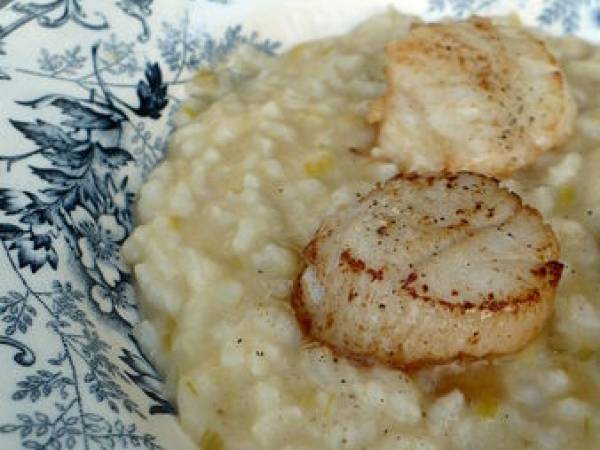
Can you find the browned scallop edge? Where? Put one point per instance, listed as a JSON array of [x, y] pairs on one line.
[[380, 106], [551, 271], [304, 320], [309, 254], [303, 317], [559, 80], [447, 175], [365, 361], [558, 77]]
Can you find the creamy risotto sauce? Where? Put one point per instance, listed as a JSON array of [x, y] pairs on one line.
[[265, 148]]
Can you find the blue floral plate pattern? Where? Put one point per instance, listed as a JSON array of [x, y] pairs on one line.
[[86, 92]]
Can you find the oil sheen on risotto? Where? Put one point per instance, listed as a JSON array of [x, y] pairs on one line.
[[265, 148]]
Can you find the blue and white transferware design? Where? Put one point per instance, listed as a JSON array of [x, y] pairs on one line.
[[86, 92]]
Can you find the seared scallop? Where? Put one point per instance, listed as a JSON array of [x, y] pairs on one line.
[[472, 96], [429, 269]]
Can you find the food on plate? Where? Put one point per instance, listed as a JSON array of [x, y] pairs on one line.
[[266, 150], [428, 269], [471, 95]]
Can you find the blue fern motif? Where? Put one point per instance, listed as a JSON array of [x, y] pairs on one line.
[[69, 61], [83, 348], [81, 211], [566, 13], [82, 202], [79, 148], [56, 13], [17, 314], [117, 435], [180, 51], [80, 158], [119, 57], [460, 8], [43, 383], [40, 431]]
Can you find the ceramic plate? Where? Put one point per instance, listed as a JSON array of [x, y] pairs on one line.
[[86, 92]]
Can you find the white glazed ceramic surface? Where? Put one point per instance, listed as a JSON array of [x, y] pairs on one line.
[[86, 91]]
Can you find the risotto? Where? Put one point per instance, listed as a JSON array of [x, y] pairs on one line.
[[265, 148]]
